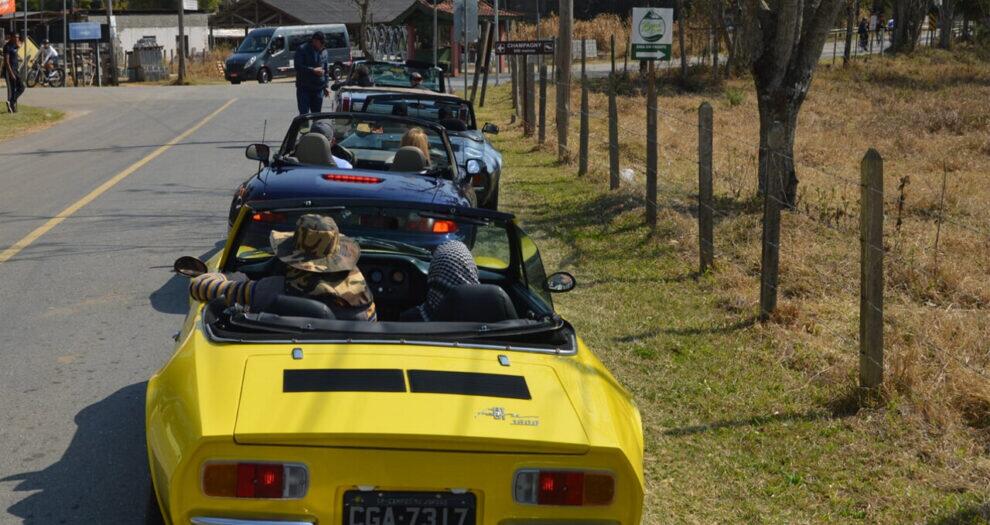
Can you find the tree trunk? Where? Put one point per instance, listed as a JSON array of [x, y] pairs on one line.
[[946, 17], [852, 11], [909, 15], [778, 108], [364, 7], [681, 15]]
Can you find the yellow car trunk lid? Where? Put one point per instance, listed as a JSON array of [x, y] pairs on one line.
[[406, 402]]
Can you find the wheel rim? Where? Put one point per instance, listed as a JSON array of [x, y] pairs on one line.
[[264, 76]]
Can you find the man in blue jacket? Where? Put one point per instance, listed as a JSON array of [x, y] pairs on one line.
[[312, 75]]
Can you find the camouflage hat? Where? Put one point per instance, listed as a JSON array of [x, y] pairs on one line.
[[316, 246]]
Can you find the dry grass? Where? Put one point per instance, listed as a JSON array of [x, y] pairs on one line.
[[928, 116]]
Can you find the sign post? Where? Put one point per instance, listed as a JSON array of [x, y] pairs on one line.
[[524, 47], [466, 25], [652, 33]]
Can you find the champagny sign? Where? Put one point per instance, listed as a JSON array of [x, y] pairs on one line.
[[6, 7], [652, 33]]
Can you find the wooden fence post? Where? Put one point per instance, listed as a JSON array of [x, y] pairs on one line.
[[530, 97], [613, 128], [706, 218], [543, 103], [770, 259], [479, 59], [651, 147], [515, 85], [871, 271], [583, 140]]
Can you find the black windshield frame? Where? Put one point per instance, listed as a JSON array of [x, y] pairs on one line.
[[472, 123]]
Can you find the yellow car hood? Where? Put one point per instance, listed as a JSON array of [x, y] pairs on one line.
[[389, 401]]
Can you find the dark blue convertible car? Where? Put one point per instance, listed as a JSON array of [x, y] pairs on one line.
[[357, 156]]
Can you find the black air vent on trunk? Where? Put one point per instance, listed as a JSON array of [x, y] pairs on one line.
[[343, 380], [468, 384]]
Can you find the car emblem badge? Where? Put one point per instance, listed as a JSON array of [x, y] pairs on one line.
[[499, 414]]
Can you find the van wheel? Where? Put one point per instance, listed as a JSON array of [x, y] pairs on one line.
[[264, 76], [337, 71], [235, 82]]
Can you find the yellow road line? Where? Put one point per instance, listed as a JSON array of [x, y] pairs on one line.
[[102, 188]]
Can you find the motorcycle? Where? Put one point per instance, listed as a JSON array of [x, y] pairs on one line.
[[39, 75]]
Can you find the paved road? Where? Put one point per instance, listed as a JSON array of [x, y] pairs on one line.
[[88, 309]]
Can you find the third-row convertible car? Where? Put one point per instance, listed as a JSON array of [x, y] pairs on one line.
[[494, 413]]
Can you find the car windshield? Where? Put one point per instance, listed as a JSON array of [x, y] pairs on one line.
[[255, 43], [452, 113], [405, 231], [372, 141], [400, 75]]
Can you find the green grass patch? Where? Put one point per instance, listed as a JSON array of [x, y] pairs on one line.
[[734, 432], [26, 119]]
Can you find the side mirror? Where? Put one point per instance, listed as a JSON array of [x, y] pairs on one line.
[[258, 152], [560, 282], [335, 86], [189, 266], [490, 128]]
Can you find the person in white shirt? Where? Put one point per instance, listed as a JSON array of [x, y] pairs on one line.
[[326, 129], [47, 56]]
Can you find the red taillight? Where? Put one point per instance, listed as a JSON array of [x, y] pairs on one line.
[[267, 216], [357, 179], [478, 181], [443, 226], [564, 487], [255, 480], [345, 104], [427, 225], [561, 488]]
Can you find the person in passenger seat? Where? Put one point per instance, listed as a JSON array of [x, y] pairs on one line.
[[320, 264], [326, 129], [417, 137], [452, 266]]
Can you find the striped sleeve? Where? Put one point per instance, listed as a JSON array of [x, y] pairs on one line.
[[210, 286]]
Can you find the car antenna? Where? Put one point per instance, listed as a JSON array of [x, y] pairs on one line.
[[264, 133]]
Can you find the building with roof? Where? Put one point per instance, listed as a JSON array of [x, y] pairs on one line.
[[415, 15]]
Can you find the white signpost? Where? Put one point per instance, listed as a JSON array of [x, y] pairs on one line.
[[652, 33]]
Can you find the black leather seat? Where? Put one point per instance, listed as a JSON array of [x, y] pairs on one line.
[[476, 303], [454, 124], [291, 306]]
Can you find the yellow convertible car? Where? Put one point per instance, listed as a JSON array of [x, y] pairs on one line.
[[492, 413]]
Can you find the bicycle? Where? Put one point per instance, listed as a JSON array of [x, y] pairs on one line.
[[39, 75]]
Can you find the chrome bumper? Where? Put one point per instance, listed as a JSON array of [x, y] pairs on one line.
[[231, 521]]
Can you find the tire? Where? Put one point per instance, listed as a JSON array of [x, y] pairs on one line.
[[492, 203], [264, 76], [153, 512], [59, 79], [32, 78], [337, 71]]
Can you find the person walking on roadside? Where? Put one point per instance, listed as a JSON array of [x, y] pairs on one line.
[[11, 64], [312, 75], [864, 34]]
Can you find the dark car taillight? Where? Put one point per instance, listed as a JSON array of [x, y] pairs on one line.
[[255, 480], [563, 487]]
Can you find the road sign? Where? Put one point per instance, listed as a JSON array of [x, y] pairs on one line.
[[190, 5], [83, 31], [652, 33], [524, 47], [472, 20]]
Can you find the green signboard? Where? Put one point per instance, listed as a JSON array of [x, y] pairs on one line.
[[652, 33]]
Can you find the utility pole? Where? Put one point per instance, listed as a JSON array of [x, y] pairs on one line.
[[113, 51], [435, 35], [498, 37], [465, 61], [182, 43], [65, 40], [564, 41]]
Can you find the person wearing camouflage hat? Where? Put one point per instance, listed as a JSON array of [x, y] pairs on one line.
[[320, 263]]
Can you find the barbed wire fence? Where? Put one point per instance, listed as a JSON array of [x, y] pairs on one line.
[[680, 198]]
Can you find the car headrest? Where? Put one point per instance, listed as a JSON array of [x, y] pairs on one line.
[[476, 303], [292, 306], [314, 148], [409, 158], [454, 124]]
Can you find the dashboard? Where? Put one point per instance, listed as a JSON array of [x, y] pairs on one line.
[[397, 283]]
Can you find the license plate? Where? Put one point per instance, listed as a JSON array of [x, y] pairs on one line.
[[233, 75], [408, 508]]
